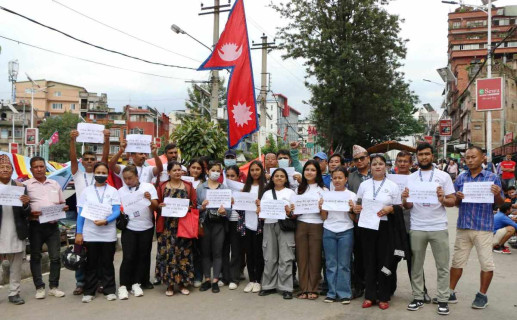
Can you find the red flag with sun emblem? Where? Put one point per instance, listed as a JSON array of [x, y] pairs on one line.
[[232, 52]]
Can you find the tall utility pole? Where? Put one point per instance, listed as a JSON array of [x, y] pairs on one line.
[[214, 99], [264, 46], [488, 76], [13, 76]]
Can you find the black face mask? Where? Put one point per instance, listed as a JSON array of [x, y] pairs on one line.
[[100, 179]]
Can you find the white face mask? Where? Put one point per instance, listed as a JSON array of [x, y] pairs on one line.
[[214, 176], [283, 163]]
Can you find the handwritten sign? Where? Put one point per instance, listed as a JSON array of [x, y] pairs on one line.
[[423, 192], [90, 133], [400, 180], [96, 211], [368, 218], [52, 213], [244, 201], [272, 209], [478, 192], [175, 207], [135, 205], [140, 143], [10, 195], [191, 180], [219, 197], [336, 201], [234, 185], [304, 204]]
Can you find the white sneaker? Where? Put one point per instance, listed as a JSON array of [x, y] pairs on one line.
[[56, 293], [136, 290], [248, 287], [122, 293], [256, 287], [232, 286], [87, 299], [40, 293], [111, 297], [220, 283], [197, 284]]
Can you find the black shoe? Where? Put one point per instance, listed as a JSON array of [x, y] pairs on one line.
[[345, 301], [147, 286], [205, 286], [415, 305], [17, 300], [157, 282], [443, 308], [329, 300], [215, 287], [287, 295], [263, 293]]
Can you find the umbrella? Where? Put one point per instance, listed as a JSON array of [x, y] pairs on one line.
[[390, 145]]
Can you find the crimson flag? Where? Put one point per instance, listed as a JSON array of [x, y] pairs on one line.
[[54, 138], [232, 52]]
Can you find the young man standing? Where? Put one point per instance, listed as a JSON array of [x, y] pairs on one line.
[[475, 227], [429, 226], [508, 171]]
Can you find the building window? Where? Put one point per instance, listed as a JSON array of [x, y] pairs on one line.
[[114, 149], [17, 133], [5, 134], [57, 106], [72, 106], [115, 133], [456, 24], [136, 131], [57, 94], [511, 44]]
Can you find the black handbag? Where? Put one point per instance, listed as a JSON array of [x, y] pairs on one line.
[[122, 221], [286, 224]]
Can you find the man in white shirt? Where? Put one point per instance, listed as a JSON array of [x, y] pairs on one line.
[[171, 153], [429, 225]]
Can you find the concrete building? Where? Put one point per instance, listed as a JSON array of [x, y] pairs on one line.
[[21, 121], [467, 51], [307, 134], [281, 121]]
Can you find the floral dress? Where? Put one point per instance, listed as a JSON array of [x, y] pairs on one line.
[[174, 261]]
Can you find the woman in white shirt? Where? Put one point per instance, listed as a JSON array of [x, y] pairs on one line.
[[338, 242], [99, 236], [309, 233], [140, 200], [278, 245], [386, 194]]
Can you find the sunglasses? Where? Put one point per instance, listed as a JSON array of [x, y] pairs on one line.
[[360, 158]]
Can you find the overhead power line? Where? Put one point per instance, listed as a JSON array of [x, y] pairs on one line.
[[125, 33], [92, 61], [95, 46]]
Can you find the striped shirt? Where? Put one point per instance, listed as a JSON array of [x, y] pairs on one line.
[[476, 216]]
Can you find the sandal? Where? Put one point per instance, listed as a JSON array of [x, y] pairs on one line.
[[302, 295], [184, 291], [169, 292], [313, 296], [78, 291]]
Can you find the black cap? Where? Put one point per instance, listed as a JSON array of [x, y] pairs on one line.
[[230, 153]]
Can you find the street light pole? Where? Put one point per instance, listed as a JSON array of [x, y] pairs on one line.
[[489, 75]]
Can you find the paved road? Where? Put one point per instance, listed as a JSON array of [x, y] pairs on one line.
[[239, 305]]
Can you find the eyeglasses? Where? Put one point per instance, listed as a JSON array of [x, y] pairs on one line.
[[360, 158], [89, 159]]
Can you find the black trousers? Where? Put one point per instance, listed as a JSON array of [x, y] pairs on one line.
[[232, 254], [357, 276], [254, 255], [136, 260], [38, 235], [375, 251], [212, 248], [100, 253]]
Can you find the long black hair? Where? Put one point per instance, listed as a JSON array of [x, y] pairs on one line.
[[249, 179], [271, 184], [319, 179], [202, 175]]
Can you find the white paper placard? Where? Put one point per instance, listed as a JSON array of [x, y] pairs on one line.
[[219, 197], [305, 204], [96, 211], [368, 217], [272, 209], [423, 192], [135, 205], [90, 132], [336, 201], [191, 180], [52, 213], [175, 207], [244, 201], [10, 195], [478, 192], [139, 143], [400, 180], [234, 185]]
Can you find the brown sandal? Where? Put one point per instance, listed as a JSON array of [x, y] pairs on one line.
[[302, 295], [312, 296]]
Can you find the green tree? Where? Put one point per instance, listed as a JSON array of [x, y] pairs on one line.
[[271, 146], [62, 124], [197, 137], [352, 50], [199, 98]]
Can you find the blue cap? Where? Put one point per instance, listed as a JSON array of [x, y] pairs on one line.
[[320, 155]]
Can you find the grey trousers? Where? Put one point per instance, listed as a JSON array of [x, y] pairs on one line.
[[15, 271], [278, 248], [439, 241]]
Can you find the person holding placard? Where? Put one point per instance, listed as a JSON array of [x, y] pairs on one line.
[[145, 173], [174, 260], [99, 235], [137, 238], [44, 192], [13, 231], [475, 226], [429, 226], [338, 241], [279, 245], [377, 253], [251, 228], [214, 222], [309, 233]]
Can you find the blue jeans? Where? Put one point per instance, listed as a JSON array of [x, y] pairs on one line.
[[338, 251]]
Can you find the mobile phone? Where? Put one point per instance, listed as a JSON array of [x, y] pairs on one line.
[[359, 201]]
